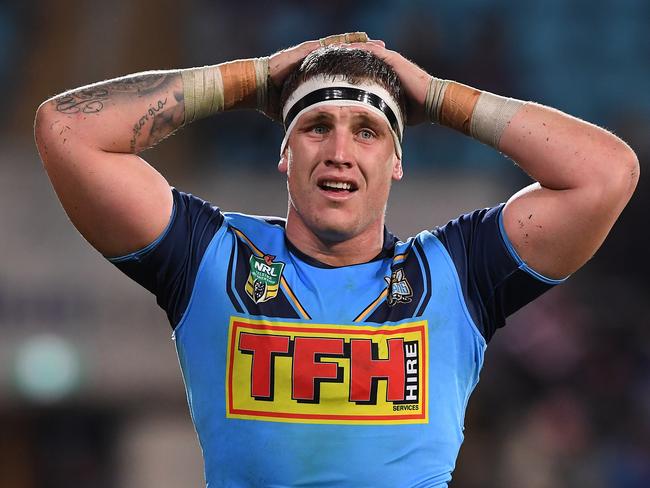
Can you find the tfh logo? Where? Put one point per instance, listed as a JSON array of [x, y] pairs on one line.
[[308, 369], [327, 372]]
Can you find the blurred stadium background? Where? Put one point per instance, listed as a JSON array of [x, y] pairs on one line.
[[90, 390]]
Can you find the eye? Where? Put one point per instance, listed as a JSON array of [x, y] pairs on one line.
[[366, 134], [319, 129]]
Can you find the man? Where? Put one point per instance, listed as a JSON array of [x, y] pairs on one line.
[[321, 350]]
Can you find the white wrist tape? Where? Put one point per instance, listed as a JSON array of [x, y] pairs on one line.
[[491, 116], [203, 92], [237, 84], [479, 114]]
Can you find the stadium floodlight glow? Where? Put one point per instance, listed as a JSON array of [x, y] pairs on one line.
[[46, 368]]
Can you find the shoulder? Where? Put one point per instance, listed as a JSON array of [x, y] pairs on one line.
[[245, 221], [469, 225], [192, 206], [255, 227]]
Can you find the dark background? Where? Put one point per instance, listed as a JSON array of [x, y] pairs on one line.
[[90, 391]]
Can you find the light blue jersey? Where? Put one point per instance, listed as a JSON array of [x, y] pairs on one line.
[[299, 374]]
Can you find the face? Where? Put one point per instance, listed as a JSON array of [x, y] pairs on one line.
[[340, 161]]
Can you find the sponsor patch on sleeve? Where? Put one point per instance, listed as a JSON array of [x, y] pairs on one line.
[[318, 373]]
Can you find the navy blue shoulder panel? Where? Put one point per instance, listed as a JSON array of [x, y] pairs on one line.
[[495, 281], [168, 266]]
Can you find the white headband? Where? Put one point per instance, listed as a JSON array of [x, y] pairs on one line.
[[327, 90]]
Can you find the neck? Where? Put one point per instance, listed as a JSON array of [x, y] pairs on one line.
[[357, 249]]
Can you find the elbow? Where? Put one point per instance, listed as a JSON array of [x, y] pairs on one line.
[[42, 120], [40, 133], [43, 113], [630, 172], [621, 180], [48, 131], [635, 171]]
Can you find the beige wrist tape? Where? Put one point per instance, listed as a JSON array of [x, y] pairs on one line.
[[479, 114], [211, 89]]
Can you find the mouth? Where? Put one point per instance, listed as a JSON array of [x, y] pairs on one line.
[[334, 187]]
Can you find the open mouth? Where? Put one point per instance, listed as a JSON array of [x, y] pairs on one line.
[[337, 186]]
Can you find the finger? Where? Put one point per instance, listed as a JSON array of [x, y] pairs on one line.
[[347, 38], [368, 46], [310, 46]]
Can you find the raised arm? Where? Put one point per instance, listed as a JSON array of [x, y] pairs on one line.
[[584, 175], [89, 138]]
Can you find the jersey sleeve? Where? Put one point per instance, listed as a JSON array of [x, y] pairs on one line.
[[168, 266], [495, 281]]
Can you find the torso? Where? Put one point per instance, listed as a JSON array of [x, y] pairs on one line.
[[299, 375]]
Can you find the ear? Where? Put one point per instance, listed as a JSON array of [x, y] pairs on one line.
[[283, 164], [398, 172]]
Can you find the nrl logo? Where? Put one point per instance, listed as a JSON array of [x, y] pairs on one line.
[[399, 289], [264, 278]]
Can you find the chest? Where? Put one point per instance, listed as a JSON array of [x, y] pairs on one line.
[[269, 281]]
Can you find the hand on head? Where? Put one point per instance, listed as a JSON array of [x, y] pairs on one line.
[[414, 79], [282, 63]]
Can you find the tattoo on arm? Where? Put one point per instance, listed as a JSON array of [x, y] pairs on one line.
[[91, 100], [153, 90], [151, 113], [88, 101], [141, 84], [165, 122]]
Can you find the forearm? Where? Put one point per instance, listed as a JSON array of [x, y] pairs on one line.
[[123, 115], [562, 152], [557, 150], [135, 112]]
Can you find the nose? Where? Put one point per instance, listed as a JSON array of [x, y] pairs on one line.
[[339, 149]]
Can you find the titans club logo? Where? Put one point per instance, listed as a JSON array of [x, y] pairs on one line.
[[263, 278], [399, 289]]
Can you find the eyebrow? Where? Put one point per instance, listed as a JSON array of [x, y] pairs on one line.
[[357, 119], [314, 118], [365, 119]]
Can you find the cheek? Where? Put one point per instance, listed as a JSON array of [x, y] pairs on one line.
[[379, 190], [298, 187], [298, 162], [382, 177], [379, 196]]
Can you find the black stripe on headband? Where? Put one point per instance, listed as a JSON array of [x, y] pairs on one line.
[[343, 93]]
